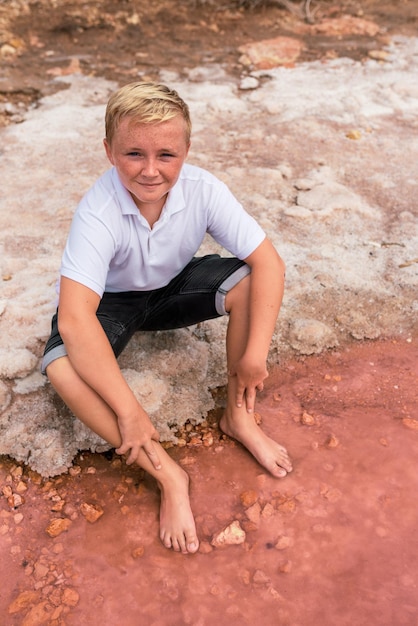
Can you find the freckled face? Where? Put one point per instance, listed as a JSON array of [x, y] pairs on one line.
[[148, 158]]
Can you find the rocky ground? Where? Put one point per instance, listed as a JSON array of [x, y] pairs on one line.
[[325, 122]]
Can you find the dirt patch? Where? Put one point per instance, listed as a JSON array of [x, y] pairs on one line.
[[124, 41]]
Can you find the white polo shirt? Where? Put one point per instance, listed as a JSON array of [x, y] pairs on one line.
[[111, 247]]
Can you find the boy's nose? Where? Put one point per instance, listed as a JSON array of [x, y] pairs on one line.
[[150, 168]]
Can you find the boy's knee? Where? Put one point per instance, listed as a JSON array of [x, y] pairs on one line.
[[239, 294], [56, 370]]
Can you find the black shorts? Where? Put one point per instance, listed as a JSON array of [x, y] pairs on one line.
[[196, 294]]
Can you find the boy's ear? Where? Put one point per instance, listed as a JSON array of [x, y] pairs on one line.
[[108, 150]]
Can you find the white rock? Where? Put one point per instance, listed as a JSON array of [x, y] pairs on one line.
[[34, 381], [230, 536], [249, 82], [16, 363], [4, 396], [310, 336], [148, 388], [328, 197]]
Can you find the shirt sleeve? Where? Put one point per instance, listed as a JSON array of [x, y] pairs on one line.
[[89, 250], [231, 225]]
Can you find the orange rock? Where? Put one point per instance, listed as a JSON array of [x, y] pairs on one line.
[[16, 471], [285, 567], [350, 134], [260, 578], [208, 439], [195, 441], [187, 460], [269, 53], [288, 506], [15, 500], [58, 506], [215, 590], [22, 602], [70, 597], [248, 497], [34, 477], [253, 513], [307, 419], [275, 594], [345, 25], [55, 597], [58, 526], [410, 423], [91, 512], [7, 491], [267, 511], [56, 614], [72, 68], [378, 55], [249, 526], [283, 543], [58, 548], [331, 493], [244, 576], [21, 487], [41, 570], [332, 442], [138, 552], [38, 614]]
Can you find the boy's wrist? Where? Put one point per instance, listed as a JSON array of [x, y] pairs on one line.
[[132, 414]]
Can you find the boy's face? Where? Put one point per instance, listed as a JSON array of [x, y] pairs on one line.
[[148, 158]]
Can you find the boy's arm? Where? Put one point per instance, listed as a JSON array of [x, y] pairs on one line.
[[92, 358], [266, 293]]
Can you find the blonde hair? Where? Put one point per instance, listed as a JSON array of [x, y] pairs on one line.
[[145, 103]]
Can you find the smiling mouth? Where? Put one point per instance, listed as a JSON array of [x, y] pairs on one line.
[[150, 185]]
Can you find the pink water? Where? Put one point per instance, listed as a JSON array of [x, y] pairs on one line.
[[335, 543]]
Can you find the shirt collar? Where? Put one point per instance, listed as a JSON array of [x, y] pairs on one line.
[[126, 203], [175, 200]]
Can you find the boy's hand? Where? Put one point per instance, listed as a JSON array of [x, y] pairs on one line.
[[250, 375], [138, 432]]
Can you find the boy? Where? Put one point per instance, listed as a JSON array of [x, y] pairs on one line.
[[129, 265]]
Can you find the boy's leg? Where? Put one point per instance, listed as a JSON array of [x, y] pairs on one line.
[[236, 421], [210, 287], [177, 527]]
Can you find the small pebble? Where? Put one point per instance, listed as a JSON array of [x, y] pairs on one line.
[[91, 512]]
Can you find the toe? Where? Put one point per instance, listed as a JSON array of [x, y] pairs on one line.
[[178, 546], [285, 464], [166, 541], [192, 546], [279, 472]]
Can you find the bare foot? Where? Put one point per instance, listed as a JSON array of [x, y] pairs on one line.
[[177, 527], [265, 450]]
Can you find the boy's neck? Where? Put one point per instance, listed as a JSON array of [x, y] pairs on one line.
[[151, 212]]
